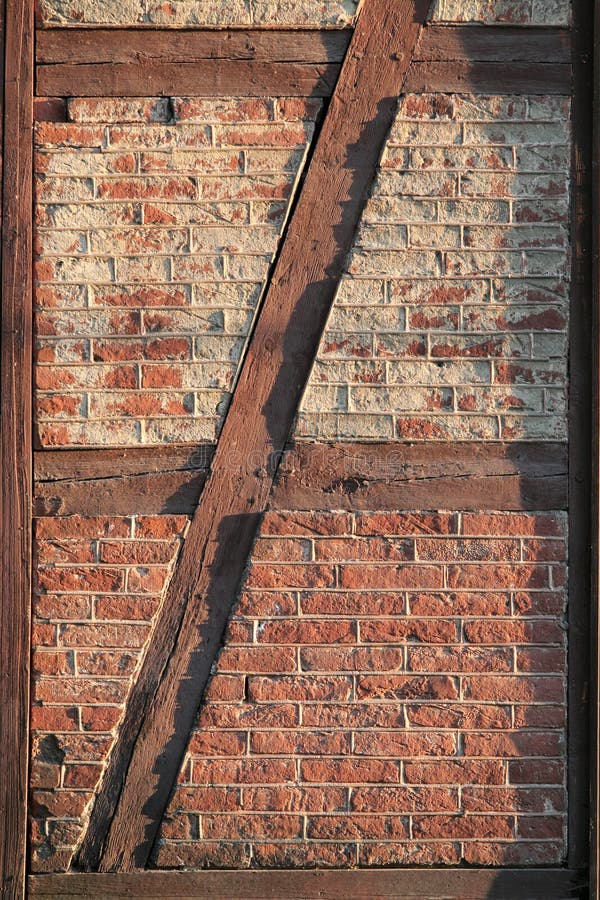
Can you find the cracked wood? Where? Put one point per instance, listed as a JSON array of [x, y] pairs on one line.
[[164, 701], [392, 475]]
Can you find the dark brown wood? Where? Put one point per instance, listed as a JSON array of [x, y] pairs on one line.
[[374, 884], [100, 62], [204, 78], [164, 701], [391, 475], [594, 857], [15, 441], [94, 464], [489, 77], [423, 476], [580, 437], [50, 109], [143, 46], [490, 43]]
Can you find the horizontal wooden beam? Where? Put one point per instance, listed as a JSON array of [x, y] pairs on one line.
[[93, 62], [373, 884], [154, 481]]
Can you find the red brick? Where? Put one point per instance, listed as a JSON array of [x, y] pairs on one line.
[[299, 688], [511, 799], [296, 799], [536, 771], [77, 579], [459, 604], [306, 631], [282, 576], [300, 855], [513, 854], [398, 687], [540, 827], [349, 771], [99, 718], [251, 826], [257, 659], [344, 603], [47, 662], [509, 631], [404, 799], [82, 776], [406, 523], [54, 718], [539, 524], [351, 659], [300, 743], [453, 715], [463, 827], [488, 577], [459, 659], [245, 771], [409, 853], [106, 662], [515, 744], [274, 715], [82, 526], [506, 688], [382, 576], [356, 827], [209, 799], [222, 688], [460, 771], [125, 608], [370, 549], [400, 630], [404, 744]]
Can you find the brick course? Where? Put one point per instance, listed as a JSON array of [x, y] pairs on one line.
[[308, 13]]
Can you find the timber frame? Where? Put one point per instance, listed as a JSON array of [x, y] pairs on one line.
[[68, 62]]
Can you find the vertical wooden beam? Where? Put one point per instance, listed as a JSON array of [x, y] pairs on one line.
[[580, 437], [594, 861], [15, 442], [163, 704]]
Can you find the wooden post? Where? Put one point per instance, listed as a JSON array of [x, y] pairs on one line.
[[15, 442]]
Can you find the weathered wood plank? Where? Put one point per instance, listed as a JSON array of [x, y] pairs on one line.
[[143, 46], [164, 701], [580, 437], [203, 78], [93, 464], [154, 481], [594, 831], [489, 77], [423, 476], [15, 441], [494, 43], [375, 884], [140, 62]]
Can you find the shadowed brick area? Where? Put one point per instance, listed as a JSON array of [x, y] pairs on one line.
[[391, 691], [157, 221], [99, 583], [451, 322], [312, 13]]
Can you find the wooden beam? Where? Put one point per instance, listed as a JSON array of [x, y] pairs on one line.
[[594, 744], [489, 77], [155, 481], [423, 476], [15, 441], [143, 46], [494, 43], [163, 704], [371, 884], [580, 438], [100, 62]]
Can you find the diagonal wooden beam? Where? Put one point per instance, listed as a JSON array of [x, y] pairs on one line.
[[164, 702]]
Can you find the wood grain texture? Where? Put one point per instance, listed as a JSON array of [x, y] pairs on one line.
[[580, 437], [489, 77], [15, 441], [155, 481], [594, 833], [494, 43], [375, 884], [423, 476], [203, 78], [163, 704], [138, 62], [141, 46]]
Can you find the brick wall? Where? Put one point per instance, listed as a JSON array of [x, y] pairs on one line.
[[308, 13], [156, 224], [391, 692], [451, 323], [98, 586]]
